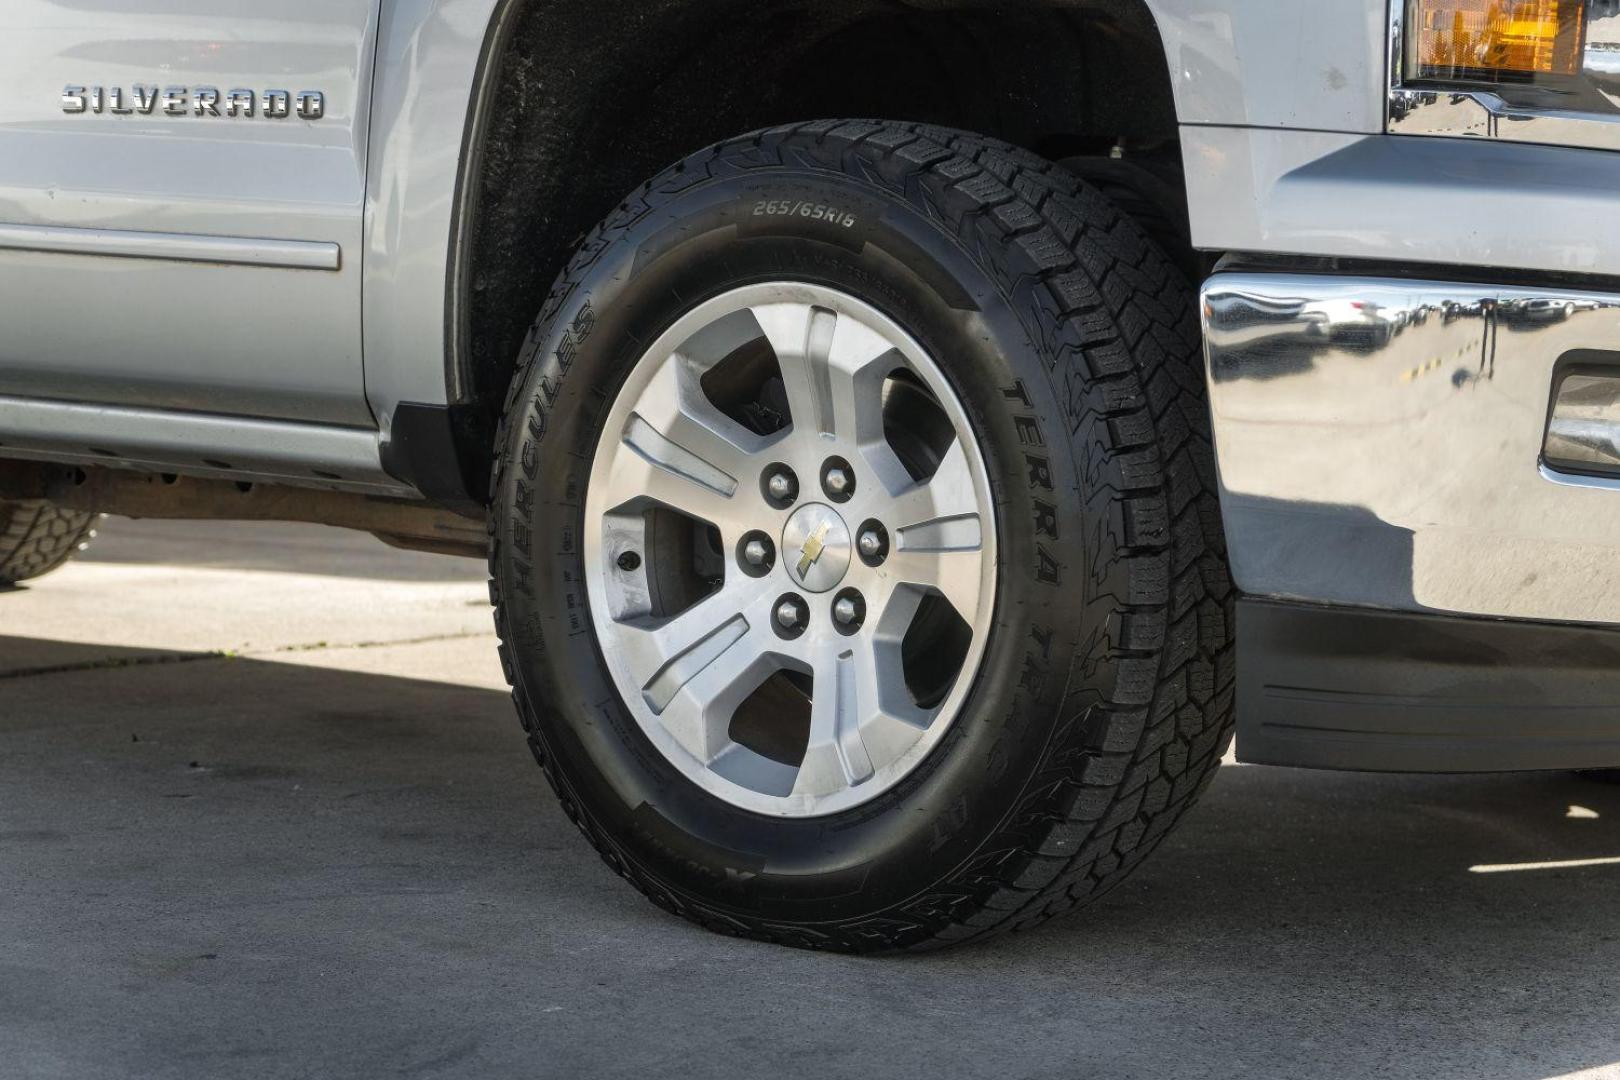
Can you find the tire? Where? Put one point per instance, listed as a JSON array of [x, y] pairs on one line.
[[1156, 206], [1103, 702], [37, 537]]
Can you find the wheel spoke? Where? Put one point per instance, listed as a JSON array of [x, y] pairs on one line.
[[674, 454], [830, 368], [859, 361], [955, 575], [663, 657], [632, 477], [801, 336], [939, 536], [675, 405], [860, 717], [681, 450], [835, 757], [700, 712], [948, 495]]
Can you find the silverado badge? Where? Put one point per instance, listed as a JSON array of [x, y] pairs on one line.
[[143, 100]]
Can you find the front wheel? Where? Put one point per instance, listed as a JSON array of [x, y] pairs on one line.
[[856, 552]]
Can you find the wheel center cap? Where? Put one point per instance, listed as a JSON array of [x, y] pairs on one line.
[[816, 547]]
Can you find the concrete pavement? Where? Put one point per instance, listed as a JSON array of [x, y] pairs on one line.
[[265, 812]]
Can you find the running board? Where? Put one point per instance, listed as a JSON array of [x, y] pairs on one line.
[[196, 444]]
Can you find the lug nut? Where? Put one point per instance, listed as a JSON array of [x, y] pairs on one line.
[[756, 555], [781, 486], [837, 479], [848, 612], [872, 542], [790, 616]]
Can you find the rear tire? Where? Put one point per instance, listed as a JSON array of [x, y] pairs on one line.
[[1103, 703], [37, 537]]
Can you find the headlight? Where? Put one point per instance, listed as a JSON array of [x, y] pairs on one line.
[[1496, 41], [1534, 71]]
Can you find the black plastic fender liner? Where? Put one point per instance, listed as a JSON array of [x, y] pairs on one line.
[[1382, 691], [429, 448]]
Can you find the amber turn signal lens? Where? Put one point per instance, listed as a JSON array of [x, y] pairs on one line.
[[1496, 40]]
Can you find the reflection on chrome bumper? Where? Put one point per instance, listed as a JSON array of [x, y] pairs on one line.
[[1380, 444]]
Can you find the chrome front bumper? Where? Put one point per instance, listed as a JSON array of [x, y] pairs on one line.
[[1380, 445]]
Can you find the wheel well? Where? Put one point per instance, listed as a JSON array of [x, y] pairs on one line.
[[585, 99]]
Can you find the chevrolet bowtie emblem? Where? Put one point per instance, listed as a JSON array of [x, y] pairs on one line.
[[813, 547]]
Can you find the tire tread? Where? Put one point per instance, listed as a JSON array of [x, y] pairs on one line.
[[37, 537]]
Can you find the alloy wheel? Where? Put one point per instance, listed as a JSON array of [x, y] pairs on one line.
[[790, 549]]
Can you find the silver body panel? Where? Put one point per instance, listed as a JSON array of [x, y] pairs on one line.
[[168, 271], [145, 329], [1315, 65], [1450, 202], [1389, 454]]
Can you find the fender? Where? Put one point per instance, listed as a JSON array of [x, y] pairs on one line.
[[430, 79], [436, 77], [1315, 65]]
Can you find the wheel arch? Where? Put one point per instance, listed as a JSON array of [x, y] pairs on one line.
[[576, 103]]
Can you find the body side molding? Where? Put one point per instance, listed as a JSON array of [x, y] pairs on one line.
[[173, 247]]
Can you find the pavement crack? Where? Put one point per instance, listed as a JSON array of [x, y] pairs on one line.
[[111, 663], [324, 646]]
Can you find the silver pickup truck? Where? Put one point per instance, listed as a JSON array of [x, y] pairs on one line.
[[908, 437]]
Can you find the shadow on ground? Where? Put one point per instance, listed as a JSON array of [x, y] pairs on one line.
[[242, 868]]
